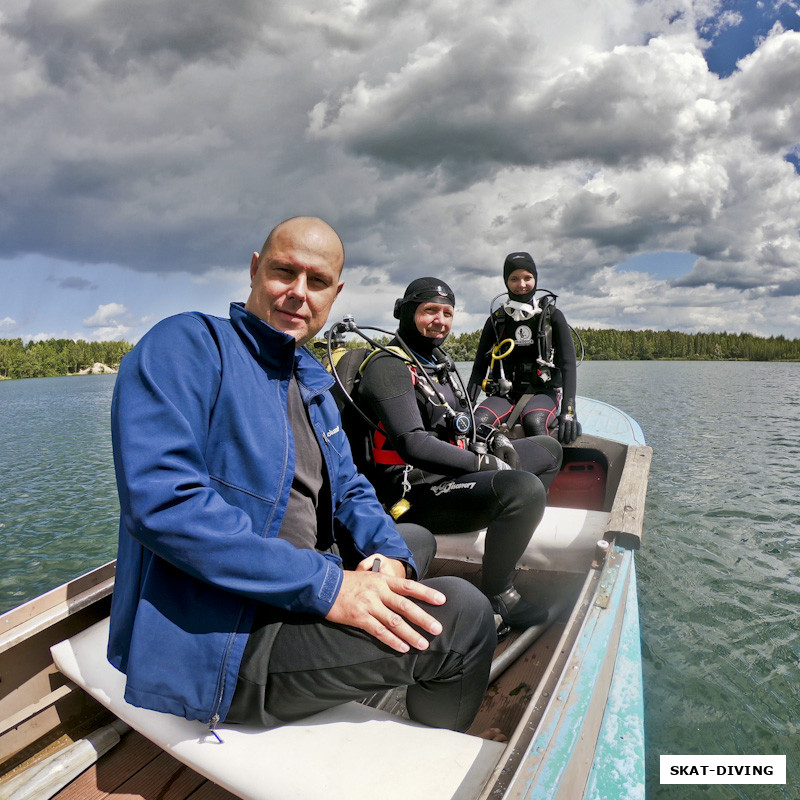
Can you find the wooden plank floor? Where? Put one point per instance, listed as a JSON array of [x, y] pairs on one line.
[[507, 698], [136, 769]]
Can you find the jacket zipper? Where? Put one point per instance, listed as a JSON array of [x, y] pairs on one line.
[[214, 721], [212, 724]]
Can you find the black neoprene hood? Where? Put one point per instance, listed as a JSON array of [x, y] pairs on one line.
[[515, 261], [421, 290]]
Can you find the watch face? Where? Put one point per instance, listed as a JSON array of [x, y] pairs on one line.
[[484, 430]]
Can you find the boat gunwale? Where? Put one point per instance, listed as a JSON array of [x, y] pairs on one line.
[[39, 613], [37, 704], [571, 724], [528, 726], [625, 520]]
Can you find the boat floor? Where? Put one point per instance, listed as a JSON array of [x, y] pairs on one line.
[[137, 768]]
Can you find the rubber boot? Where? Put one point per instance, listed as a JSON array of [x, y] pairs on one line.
[[516, 611]]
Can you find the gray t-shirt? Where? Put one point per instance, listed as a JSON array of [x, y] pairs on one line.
[[300, 524]]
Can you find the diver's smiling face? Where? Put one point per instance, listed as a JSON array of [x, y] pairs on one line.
[[521, 281], [434, 320]]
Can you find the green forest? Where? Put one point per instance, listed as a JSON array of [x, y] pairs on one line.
[[613, 345], [55, 357]]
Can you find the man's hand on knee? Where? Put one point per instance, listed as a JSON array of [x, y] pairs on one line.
[[383, 605]]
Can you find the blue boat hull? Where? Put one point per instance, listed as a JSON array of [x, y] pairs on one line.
[[589, 742]]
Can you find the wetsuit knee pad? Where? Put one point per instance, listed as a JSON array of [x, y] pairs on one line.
[[484, 416], [492, 410], [535, 422], [541, 455]]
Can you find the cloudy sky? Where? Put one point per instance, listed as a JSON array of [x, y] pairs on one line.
[[646, 153]]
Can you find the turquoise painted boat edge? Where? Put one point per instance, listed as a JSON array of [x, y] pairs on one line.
[[618, 770], [602, 419], [561, 749]]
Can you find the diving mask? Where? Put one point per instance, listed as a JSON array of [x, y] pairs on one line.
[[520, 312]]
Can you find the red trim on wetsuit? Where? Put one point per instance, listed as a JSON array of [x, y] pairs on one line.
[[551, 413], [494, 413], [382, 450]]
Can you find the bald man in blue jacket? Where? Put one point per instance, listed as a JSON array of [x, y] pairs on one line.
[[259, 580]]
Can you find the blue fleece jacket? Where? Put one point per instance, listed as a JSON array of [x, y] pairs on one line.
[[204, 459]]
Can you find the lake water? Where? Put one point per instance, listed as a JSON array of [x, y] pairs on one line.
[[719, 569]]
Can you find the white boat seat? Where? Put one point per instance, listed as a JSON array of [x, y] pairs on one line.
[[564, 541], [344, 753]]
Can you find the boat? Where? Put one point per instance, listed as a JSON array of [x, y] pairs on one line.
[[568, 693]]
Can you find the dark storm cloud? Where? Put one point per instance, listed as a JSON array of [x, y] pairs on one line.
[[166, 140], [468, 115], [166, 136], [117, 36]]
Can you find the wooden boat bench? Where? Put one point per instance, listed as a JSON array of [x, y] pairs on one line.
[[348, 752]]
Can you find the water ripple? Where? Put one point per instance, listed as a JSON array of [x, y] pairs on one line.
[[718, 571], [58, 504]]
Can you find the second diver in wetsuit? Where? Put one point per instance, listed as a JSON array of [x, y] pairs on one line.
[[420, 454], [540, 361]]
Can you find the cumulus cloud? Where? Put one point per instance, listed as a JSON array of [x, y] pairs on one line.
[[111, 321], [120, 37], [166, 137], [106, 314], [719, 21], [449, 110], [767, 106]]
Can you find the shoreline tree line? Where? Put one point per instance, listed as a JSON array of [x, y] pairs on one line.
[[648, 345], [52, 358], [60, 357]]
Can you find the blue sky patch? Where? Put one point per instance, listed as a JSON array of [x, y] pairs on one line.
[[666, 265], [739, 26]]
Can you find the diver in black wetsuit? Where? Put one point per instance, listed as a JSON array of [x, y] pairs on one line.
[[420, 454], [541, 362]]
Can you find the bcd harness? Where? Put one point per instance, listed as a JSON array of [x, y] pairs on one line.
[[458, 423], [523, 325], [347, 367]]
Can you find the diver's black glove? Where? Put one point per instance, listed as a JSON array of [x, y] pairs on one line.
[[500, 445], [569, 429], [487, 461], [473, 390]]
